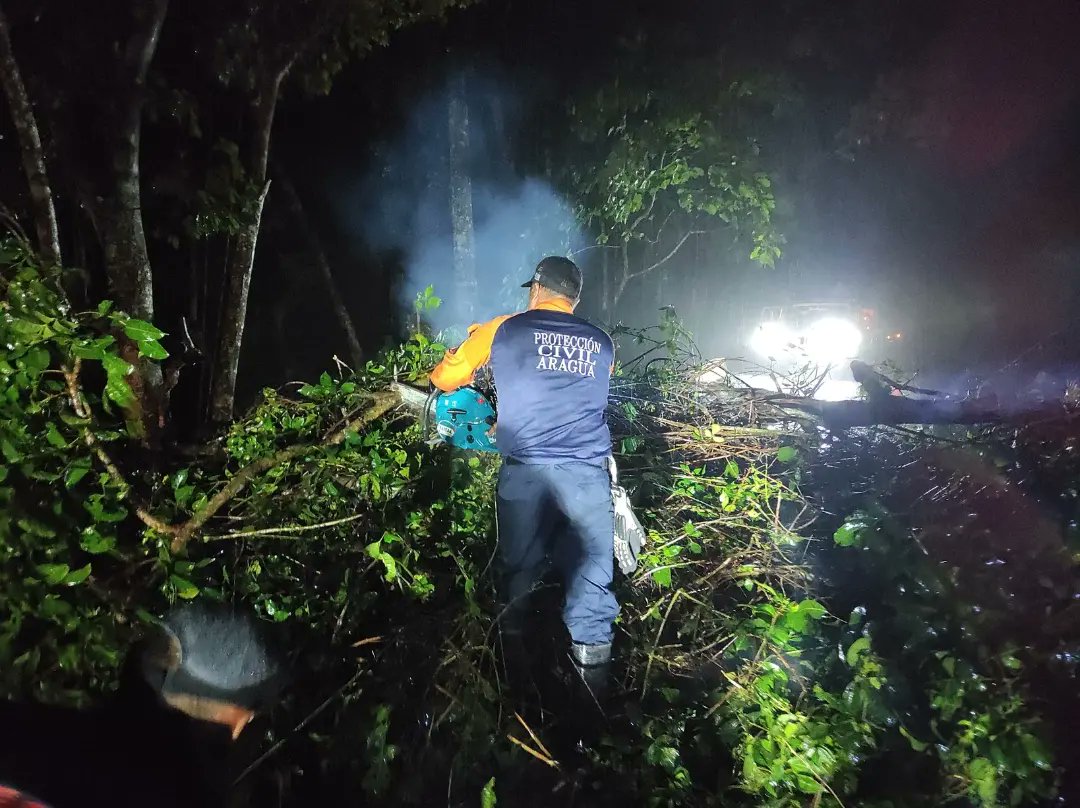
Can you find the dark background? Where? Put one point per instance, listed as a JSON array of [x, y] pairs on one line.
[[927, 166]]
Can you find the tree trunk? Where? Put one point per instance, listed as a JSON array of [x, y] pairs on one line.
[[124, 239], [356, 354], [461, 208], [33, 156], [117, 210], [123, 236], [242, 259]]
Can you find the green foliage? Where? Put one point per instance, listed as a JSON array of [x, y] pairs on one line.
[[61, 516], [790, 737], [732, 654], [988, 738], [426, 300], [659, 163], [412, 361], [982, 728], [685, 164]]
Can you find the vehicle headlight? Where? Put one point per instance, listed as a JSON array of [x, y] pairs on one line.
[[772, 339], [832, 340]]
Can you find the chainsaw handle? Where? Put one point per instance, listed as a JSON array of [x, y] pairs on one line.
[[429, 404]]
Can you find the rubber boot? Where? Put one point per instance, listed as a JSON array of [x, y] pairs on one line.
[[593, 665]]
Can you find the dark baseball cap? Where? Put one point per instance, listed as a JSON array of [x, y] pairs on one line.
[[559, 275]]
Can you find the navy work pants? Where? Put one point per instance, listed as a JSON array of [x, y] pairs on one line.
[[530, 499]]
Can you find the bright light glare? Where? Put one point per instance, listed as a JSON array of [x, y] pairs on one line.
[[837, 390], [772, 339], [829, 390], [831, 340]]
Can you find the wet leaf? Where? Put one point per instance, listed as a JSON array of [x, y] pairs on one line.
[[11, 454], [184, 588], [983, 781], [140, 330], [487, 796], [77, 576], [856, 649], [53, 436], [1037, 753], [53, 573], [152, 349], [79, 469], [36, 360], [916, 744], [93, 542], [849, 534], [786, 454], [116, 386]]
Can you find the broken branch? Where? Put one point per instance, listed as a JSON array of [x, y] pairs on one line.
[[382, 403]]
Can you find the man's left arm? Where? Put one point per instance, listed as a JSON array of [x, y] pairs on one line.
[[459, 365]]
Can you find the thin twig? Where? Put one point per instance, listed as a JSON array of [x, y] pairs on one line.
[[270, 531], [533, 735], [538, 755]]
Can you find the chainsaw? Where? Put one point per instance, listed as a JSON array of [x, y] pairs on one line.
[[464, 418]]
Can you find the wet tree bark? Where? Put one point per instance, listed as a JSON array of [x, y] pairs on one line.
[[33, 156], [242, 258], [120, 212], [356, 354], [461, 207], [116, 208]]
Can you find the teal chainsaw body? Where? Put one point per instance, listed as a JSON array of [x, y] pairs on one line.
[[464, 418]]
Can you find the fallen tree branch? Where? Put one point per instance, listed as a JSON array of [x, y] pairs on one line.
[[382, 403], [893, 410]]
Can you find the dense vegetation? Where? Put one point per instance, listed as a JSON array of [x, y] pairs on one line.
[[814, 623]]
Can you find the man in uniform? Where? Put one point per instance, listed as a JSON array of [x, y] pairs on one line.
[[552, 372]]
